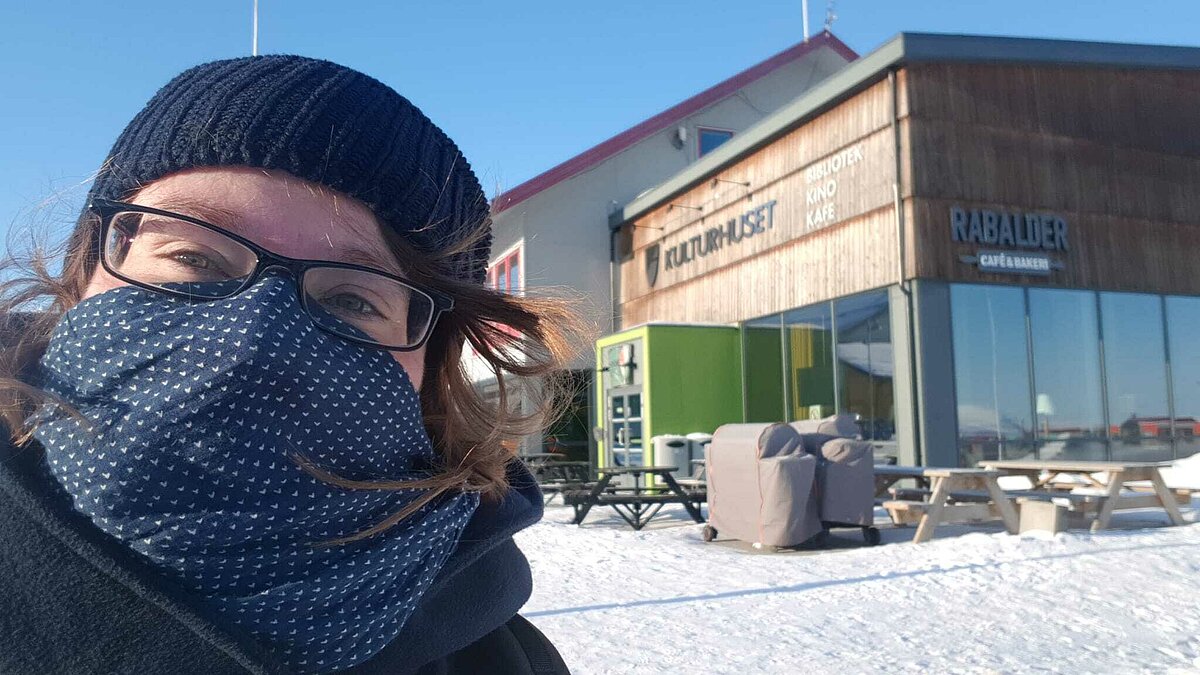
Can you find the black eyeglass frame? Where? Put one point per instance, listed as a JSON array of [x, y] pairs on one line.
[[265, 260]]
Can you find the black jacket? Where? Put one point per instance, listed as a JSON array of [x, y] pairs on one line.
[[73, 600]]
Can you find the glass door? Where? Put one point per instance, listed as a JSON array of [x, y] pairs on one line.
[[625, 444]]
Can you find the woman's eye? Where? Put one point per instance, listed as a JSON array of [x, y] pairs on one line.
[[196, 260], [348, 302]]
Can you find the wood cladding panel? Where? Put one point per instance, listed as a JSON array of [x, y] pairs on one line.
[[787, 212], [1116, 153], [812, 224], [1052, 172], [853, 256], [1151, 110], [863, 114], [1106, 251]]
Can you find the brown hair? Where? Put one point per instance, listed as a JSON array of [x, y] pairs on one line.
[[525, 340]]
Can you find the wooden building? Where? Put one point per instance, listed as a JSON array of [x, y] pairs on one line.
[[981, 247]]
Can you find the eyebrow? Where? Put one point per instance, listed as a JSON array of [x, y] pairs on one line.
[[209, 213], [361, 256], [231, 220]]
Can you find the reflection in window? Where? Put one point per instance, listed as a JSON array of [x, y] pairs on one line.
[[711, 139], [991, 373], [810, 361], [864, 353], [1183, 325], [1066, 373], [763, 345], [1135, 367]]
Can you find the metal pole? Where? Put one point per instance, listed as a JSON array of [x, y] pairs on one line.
[[254, 46], [804, 10]]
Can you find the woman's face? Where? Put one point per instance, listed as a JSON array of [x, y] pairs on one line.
[[281, 213]]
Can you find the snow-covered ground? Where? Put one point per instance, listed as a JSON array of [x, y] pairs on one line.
[[973, 600]]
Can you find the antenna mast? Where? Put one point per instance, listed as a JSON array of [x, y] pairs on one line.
[[830, 17], [254, 46], [803, 10]]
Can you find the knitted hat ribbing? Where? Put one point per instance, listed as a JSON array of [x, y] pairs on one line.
[[318, 121]]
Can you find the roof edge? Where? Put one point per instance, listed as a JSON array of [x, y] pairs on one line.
[[902, 49], [610, 147]]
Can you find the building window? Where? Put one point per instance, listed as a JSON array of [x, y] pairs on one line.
[[865, 365], [991, 373], [762, 343], [810, 351], [1069, 397], [711, 139], [1135, 369], [830, 357], [506, 274], [1183, 325]]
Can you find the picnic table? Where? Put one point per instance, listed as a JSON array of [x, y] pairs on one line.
[[1114, 479], [887, 475], [556, 477], [639, 503], [535, 460], [954, 496]]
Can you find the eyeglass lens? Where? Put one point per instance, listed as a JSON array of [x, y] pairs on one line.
[[182, 257]]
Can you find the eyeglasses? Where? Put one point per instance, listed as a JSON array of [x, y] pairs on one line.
[[183, 257]]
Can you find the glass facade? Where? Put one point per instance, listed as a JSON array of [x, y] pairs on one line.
[[1135, 366], [1068, 397], [1183, 325], [991, 359], [810, 362], [814, 361], [865, 364], [762, 348], [1065, 374]]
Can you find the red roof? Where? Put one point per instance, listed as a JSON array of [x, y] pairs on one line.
[[589, 158]]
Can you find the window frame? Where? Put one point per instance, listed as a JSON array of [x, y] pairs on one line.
[[505, 260], [700, 129]]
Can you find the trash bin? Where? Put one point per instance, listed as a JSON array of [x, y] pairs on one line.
[[673, 450], [700, 443]]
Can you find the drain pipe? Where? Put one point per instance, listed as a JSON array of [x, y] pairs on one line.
[[614, 307], [902, 281]]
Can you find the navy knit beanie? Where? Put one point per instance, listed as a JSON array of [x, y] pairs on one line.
[[318, 121]]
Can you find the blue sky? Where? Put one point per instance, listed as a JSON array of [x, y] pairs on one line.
[[520, 85]]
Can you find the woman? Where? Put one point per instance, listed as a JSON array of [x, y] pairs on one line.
[[241, 440]]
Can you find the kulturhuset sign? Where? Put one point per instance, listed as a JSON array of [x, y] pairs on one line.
[[750, 223]]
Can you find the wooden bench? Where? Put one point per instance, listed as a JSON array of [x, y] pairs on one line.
[[1112, 478], [980, 496], [981, 499]]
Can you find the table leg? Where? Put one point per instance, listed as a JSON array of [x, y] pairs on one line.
[[1116, 479], [692, 509], [1003, 504], [933, 514], [597, 490], [1165, 496], [882, 483]]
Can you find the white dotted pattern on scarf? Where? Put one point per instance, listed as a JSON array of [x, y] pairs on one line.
[[196, 410]]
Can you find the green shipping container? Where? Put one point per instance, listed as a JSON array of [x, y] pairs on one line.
[[659, 379]]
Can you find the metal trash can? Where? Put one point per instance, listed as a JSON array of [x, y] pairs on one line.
[[673, 450]]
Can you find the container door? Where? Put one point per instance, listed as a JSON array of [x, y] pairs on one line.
[[625, 443]]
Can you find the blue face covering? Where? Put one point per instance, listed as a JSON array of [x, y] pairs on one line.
[[195, 411]]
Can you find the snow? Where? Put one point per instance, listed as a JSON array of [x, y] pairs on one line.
[[973, 600]]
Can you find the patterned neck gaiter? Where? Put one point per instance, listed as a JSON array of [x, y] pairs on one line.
[[195, 411]]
